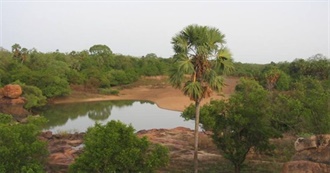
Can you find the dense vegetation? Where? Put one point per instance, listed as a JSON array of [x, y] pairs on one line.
[[115, 148], [20, 148], [276, 98], [280, 98], [48, 75]]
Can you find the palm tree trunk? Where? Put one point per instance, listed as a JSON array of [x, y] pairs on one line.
[[197, 106]]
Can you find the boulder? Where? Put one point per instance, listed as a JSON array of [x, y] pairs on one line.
[[63, 150], [305, 143], [12, 91], [312, 155], [11, 103], [14, 107]]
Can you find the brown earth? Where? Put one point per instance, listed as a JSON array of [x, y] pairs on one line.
[[161, 93]]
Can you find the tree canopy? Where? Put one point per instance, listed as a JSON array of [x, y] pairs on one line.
[[115, 148], [20, 149]]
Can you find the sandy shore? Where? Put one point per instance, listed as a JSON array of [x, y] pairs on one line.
[[165, 97]]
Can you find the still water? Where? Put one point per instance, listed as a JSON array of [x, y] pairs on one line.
[[77, 117]]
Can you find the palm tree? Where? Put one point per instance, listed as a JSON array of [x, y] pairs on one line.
[[200, 54]]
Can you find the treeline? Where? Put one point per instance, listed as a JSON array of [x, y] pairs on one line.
[[284, 76], [48, 75], [298, 92]]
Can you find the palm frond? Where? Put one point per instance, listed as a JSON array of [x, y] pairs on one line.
[[215, 81], [180, 44], [223, 61], [186, 66], [194, 90], [199, 50], [176, 77]]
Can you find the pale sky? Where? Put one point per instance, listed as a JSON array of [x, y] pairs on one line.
[[256, 31]]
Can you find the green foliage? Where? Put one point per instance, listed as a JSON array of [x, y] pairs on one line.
[[115, 148], [200, 52], [317, 66], [54, 72], [100, 50], [242, 125], [303, 109], [287, 113], [246, 70], [22, 150], [151, 65], [74, 77], [283, 82], [239, 124], [315, 98], [52, 86], [108, 91], [120, 77], [33, 96]]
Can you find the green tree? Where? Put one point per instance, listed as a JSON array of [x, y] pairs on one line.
[[20, 148], [16, 50], [288, 114], [283, 82], [272, 75], [199, 52], [100, 49], [315, 98], [33, 95], [115, 148], [240, 123]]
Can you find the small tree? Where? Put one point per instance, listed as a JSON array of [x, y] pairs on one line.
[[240, 123], [20, 150], [115, 148], [244, 124]]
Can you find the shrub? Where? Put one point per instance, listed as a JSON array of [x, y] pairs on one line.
[[115, 148], [108, 91], [20, 150]]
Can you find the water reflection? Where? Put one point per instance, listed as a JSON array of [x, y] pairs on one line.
[[141, 114]]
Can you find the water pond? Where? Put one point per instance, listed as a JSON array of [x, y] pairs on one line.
[[77, 117]]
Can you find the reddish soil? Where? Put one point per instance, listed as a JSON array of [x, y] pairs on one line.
[[161, 93]]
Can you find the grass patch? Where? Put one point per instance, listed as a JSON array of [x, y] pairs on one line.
[[108, 91], [154, 81]]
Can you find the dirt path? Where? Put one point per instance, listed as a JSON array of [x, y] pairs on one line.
[[165, 97]]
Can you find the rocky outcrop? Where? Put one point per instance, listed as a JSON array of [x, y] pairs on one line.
[[63, 149], [312, 155], [12, 91], [66, 147], [180, 142], [12, 103]]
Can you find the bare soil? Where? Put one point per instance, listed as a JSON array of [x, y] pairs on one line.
[[155, 89]]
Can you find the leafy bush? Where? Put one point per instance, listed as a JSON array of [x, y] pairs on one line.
[[115, 148], [283, 83], [108, 91], [33, 96], [20, 149]]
